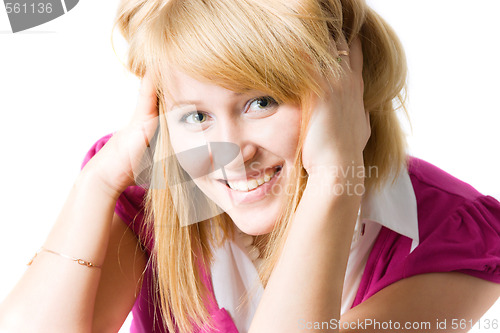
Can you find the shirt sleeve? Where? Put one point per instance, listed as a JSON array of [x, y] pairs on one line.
[[467, 240], [130, 204]]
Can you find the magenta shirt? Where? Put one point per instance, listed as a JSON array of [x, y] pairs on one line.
[[459, 230]]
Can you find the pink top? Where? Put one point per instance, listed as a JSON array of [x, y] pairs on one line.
[[459, 230]]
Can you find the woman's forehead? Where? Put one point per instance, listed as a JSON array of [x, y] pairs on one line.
[[185, 89]]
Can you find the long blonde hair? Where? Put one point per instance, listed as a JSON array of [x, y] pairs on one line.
[[259, 45]]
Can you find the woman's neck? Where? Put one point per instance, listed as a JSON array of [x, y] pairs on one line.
[[260, 242]]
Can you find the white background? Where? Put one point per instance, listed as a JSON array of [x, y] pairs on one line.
[[62, 87]]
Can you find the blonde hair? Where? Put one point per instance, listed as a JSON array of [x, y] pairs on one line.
[[246, 45]]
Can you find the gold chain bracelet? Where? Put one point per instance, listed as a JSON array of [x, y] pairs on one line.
[[77, 260]]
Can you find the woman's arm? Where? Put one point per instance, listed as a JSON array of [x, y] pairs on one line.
[[121, 278], [58, 295], [432, 302], [306, 284]]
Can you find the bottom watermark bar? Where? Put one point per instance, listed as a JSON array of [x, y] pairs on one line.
[[364, 324]]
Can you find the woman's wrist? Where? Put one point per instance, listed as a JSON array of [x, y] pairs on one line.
[[91, 179], [338, 179]]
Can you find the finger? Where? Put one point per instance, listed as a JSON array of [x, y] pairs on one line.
[[144, 121], [369, 129], [343, 53], [147, 103], [356, 56]]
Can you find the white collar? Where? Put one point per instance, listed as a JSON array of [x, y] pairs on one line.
[[394, 206], [234, 275]]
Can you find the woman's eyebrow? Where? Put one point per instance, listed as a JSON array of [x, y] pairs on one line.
[[199, 102], [186, 103]]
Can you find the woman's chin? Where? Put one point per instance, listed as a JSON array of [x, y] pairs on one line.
[[256, 218], [255, 225]]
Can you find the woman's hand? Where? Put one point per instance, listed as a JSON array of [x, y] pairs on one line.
[[319, 238], [339, 127], [117, 162]]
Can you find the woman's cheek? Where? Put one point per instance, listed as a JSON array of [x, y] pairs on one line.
[[285, 132], [191, 150]]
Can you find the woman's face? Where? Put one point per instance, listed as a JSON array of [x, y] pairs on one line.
[[252, 143]]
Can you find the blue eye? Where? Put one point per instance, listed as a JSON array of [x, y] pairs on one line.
[[262, 103], [194, 117]]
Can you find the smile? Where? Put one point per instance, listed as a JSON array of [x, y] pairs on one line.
[[252, 184], [254, 189]]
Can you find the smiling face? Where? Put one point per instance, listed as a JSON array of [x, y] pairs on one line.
[[250, 184]]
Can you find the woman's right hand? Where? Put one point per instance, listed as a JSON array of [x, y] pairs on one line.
[[339, 127], [115, 164]]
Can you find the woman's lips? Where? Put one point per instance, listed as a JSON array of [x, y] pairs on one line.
[[253, 195], [251, 182]]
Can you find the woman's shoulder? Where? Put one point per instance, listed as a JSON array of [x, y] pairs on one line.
[[95, 148], [427, 180], [458, 227], [448, 203]]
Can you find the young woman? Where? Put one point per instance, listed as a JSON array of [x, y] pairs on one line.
[[276, 191]]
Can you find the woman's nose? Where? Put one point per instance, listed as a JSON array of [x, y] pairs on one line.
[[236, 134], [247, 151]]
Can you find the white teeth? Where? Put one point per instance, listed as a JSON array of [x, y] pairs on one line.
[[239, 186], [245, 186], [252, 184]]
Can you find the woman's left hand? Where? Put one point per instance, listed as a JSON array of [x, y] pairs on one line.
[[339, 127]]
